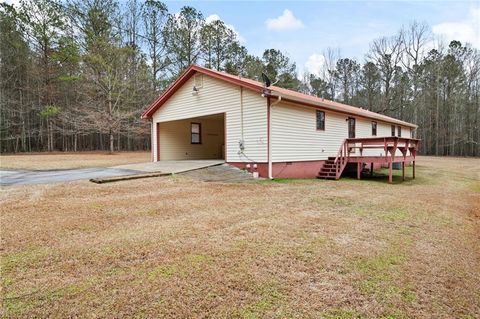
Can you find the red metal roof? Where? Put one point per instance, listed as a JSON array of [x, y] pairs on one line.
[[274, 91]]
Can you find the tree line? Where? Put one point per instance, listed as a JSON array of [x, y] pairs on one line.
[[76, 74]]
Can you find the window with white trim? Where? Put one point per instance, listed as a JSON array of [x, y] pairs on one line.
[[196, 133], [374, 128], [320, 120]]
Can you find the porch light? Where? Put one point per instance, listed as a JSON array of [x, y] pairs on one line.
[[194, 91]]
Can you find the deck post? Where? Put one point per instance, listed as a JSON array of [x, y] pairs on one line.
[[390, 180], [371, 169], [413, 169], [403, 170], [359, 170]]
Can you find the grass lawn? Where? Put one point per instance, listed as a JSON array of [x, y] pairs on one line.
[[43, 161], [178, 248]]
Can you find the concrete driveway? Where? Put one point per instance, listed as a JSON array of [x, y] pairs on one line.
[[23, 177]]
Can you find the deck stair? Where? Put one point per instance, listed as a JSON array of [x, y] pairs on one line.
[[334, 166], [328, 169]]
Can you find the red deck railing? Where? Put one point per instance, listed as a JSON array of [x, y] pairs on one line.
[[390, 145]]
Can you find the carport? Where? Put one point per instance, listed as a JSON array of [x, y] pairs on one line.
[[196, 138]]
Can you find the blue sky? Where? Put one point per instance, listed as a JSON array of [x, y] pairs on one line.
[[309, 27], [305, 29]]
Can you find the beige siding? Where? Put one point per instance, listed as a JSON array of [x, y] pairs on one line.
[[220, 97], [175, 143], [364, 129], [295, 138]]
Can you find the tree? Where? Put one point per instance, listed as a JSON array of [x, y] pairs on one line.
[[154, 15], [182, 38], [414, 39], [43, 22], [237, 60], [370, 86], [217, 41], [346, 74], [14, 67], [106, 65], [280, 69], [386, 53], [319, 87]]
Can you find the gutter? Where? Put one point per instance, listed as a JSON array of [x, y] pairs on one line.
[[373, 116], [269, 133]]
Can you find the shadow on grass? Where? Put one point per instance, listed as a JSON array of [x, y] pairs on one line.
[[381, 176]]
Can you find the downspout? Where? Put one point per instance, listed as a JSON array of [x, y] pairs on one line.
[[241, 113], [152, 155], [269, 134]]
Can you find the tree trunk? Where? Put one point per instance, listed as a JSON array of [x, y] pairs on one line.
[[111, 141]]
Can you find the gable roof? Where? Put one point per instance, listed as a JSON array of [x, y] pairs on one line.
[[272, 91]]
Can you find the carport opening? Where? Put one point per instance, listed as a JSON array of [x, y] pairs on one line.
[[196, 138]]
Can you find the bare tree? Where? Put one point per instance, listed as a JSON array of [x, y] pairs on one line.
[[416, 37], [386, 53]]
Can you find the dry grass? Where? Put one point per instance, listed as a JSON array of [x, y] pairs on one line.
[[174, 247], [42, 161]]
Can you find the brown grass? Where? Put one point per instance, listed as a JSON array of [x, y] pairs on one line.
[[42, 161], [174, 247]]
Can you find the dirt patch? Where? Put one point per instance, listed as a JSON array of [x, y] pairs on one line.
[[180, 247]]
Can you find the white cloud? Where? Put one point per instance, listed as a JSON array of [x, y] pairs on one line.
[[286, 21], [212, 17], [467, 30], [315, 64], [215, 17], [15, 3]]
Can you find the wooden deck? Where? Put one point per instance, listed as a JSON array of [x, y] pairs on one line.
[[393, 149]]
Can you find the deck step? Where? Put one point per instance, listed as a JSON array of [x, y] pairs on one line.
[[326, 177]]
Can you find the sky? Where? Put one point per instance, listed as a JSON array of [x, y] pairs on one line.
[[305, 29]]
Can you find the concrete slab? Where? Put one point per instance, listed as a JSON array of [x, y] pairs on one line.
[[221, 173], [45, 177], [22, 177], [171, 167]]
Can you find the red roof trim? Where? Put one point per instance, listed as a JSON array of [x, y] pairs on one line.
[[389, 120], [292, 96], [187, 74]]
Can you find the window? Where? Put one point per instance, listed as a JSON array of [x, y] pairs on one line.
[[393, 130], [374, 128], [320, 120], [351, 127], [196, 133], [399, 129]]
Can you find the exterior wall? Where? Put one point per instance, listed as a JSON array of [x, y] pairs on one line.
[[364, 129], [175, 143], [295, 137], [245, 115]]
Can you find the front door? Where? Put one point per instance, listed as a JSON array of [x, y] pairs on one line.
[[351, 127]]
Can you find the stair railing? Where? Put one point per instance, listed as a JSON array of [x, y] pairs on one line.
[[341, 159]]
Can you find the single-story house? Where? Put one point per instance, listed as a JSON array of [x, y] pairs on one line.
[[207, 114]]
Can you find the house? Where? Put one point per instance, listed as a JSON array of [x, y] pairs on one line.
[[206, 114]]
